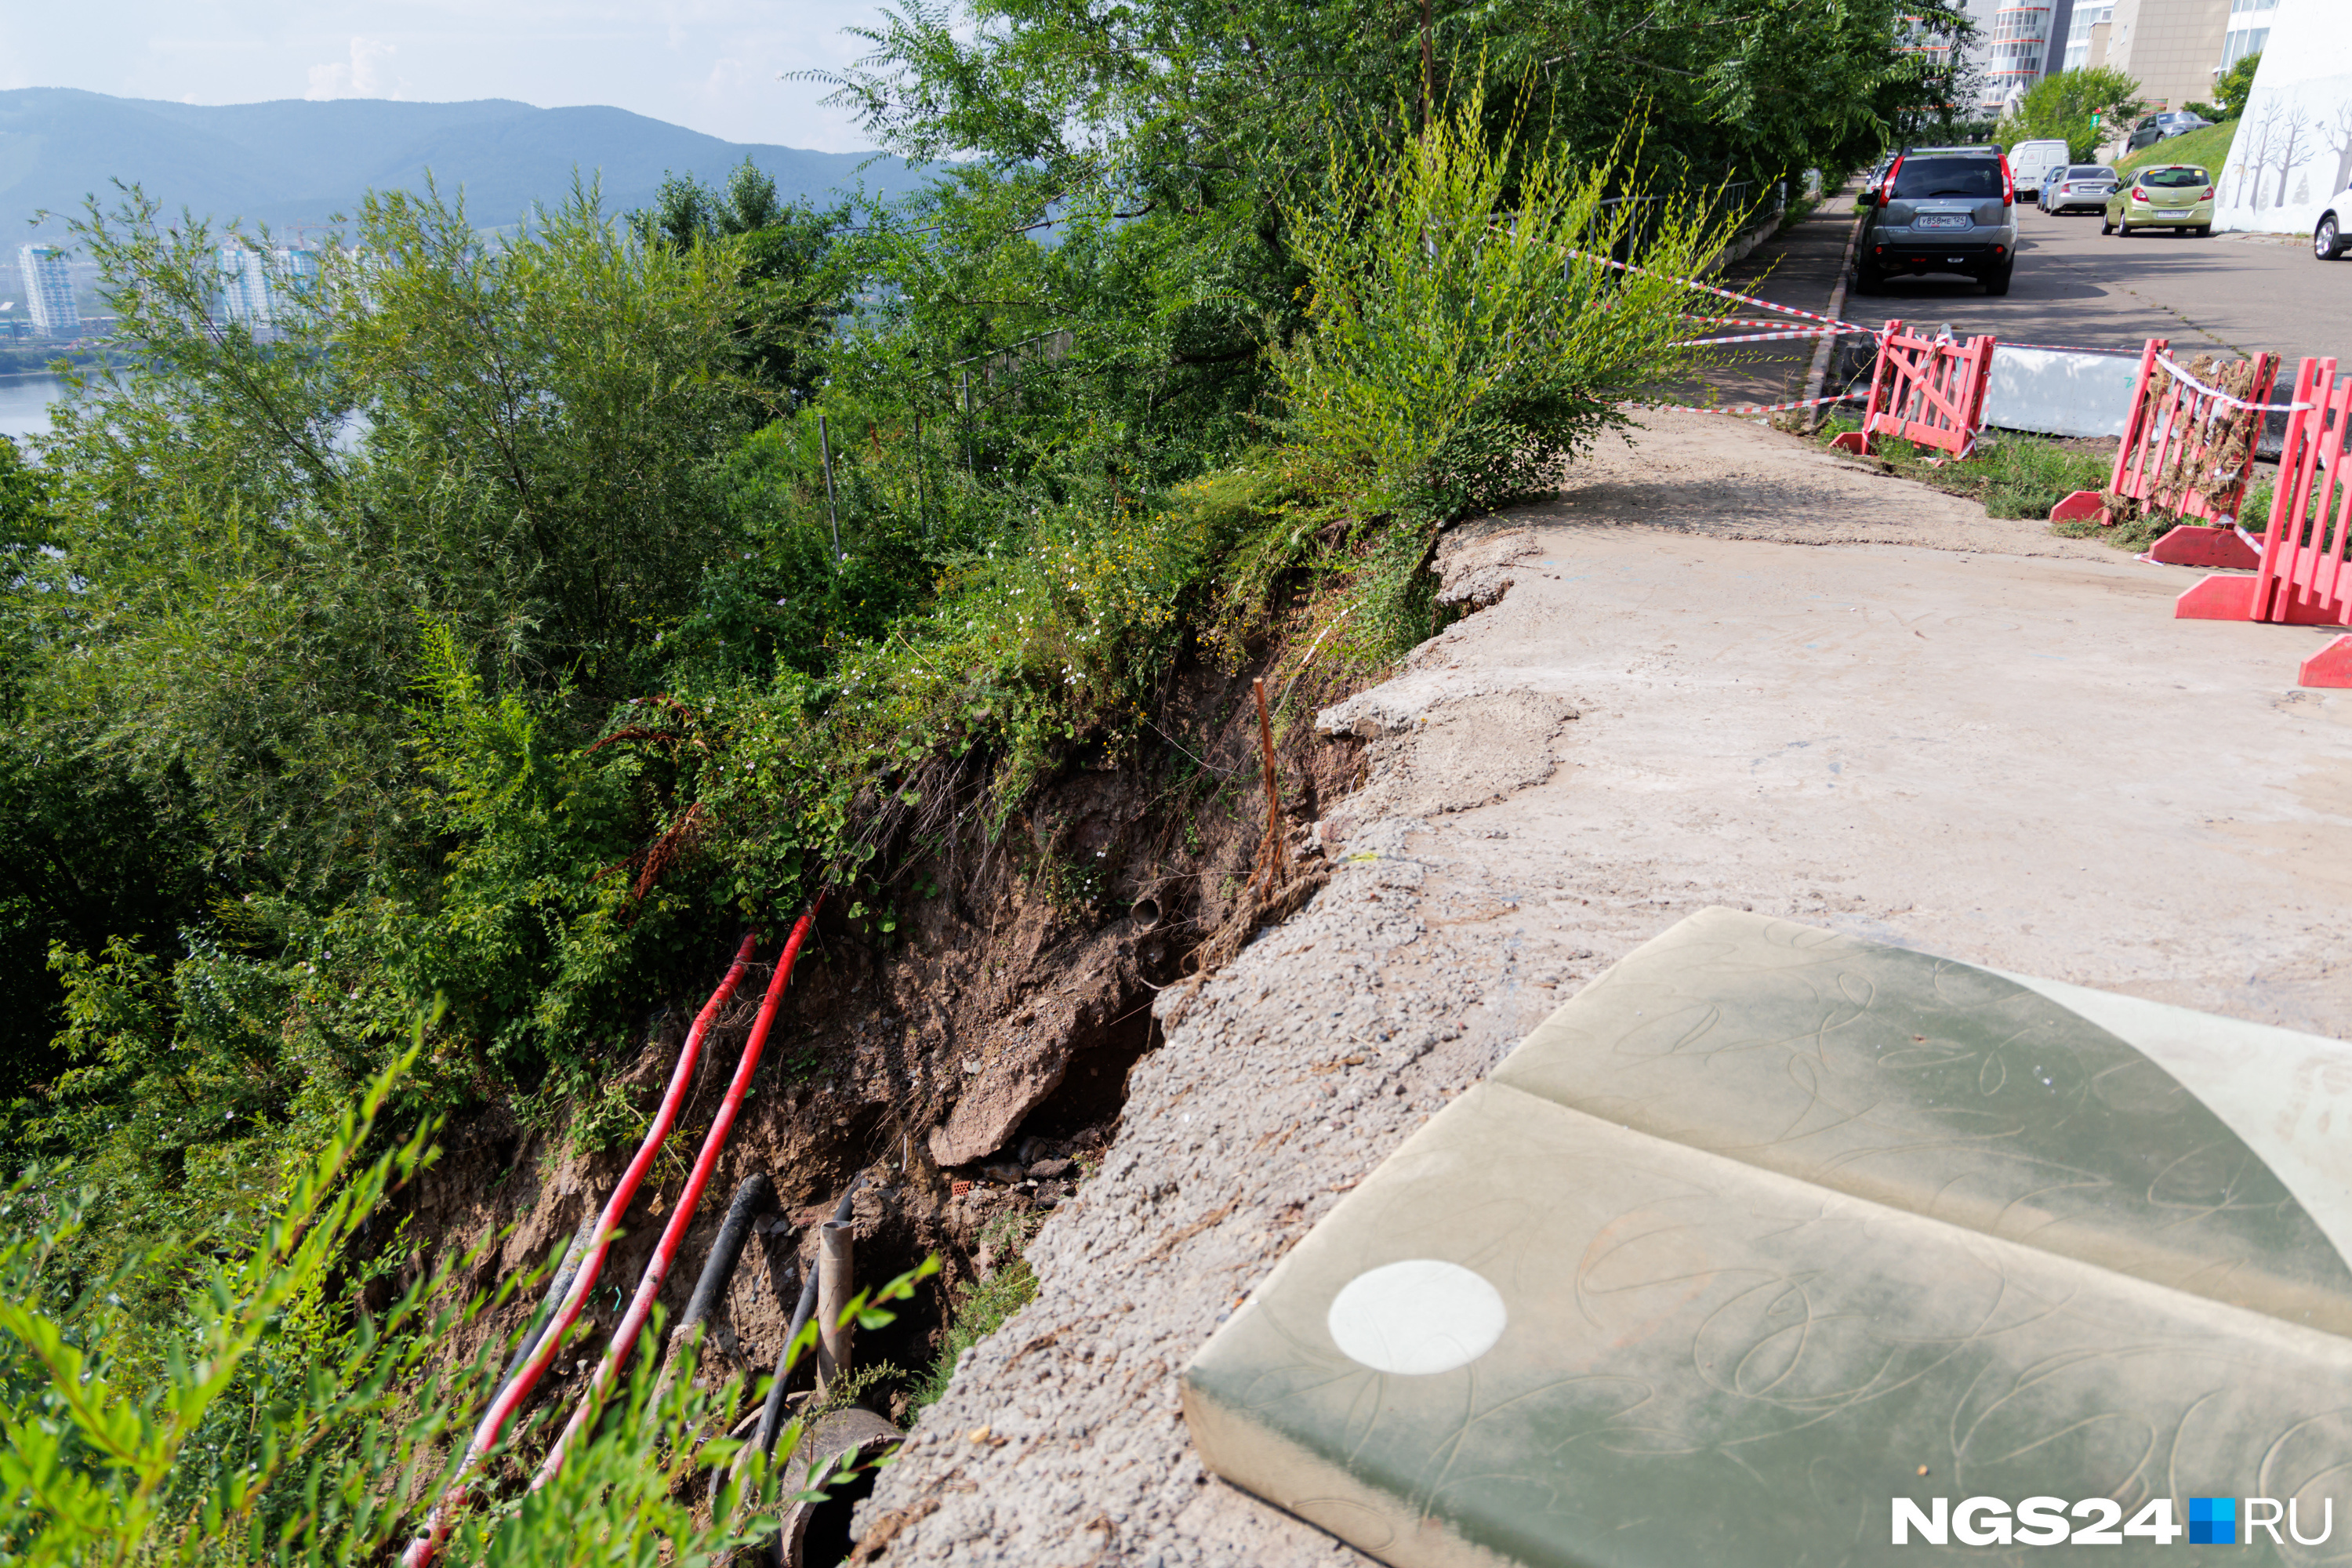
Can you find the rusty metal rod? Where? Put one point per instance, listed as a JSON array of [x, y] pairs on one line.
[[1275, 854]]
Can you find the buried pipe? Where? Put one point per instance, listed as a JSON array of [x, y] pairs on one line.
[[567, 1268], [426, 1544], [772, 1413], [833, 1471], [641, 1306], [836, 1282], [752, 1197]]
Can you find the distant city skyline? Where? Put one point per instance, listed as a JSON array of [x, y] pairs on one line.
[[710, 65]]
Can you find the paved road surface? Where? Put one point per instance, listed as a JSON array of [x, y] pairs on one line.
[[2236, 294], [2233, 294]]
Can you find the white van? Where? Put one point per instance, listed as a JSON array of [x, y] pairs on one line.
[[2030, 161]]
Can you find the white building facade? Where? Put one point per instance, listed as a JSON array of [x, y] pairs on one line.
[[48, 292], [261, 289]]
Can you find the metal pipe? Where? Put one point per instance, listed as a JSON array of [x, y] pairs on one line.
[[836, 1282], [831, 507], [772, 1413], [752, 1197]]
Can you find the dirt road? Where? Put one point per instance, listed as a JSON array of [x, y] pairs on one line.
[[1722, 670]]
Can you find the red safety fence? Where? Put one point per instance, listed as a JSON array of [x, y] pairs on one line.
[[2301, 577], [1928, 391], [2188, 450]]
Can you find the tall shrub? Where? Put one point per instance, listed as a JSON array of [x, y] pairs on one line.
[[1469, 332]]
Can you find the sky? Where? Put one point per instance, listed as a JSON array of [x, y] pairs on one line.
[[710, 65]]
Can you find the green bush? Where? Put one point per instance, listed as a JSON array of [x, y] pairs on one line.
[[280, 1421], [1469, 333]]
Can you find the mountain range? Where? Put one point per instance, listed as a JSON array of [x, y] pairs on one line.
[[297, 161]]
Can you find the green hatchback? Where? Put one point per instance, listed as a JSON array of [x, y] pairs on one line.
[[2175, 196]]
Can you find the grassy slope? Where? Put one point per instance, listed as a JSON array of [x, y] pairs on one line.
[[2209, 149]]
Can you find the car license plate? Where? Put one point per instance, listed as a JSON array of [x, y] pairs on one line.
[[1943, 220]]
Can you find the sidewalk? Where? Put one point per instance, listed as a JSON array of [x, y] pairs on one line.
[[1730, 668], [1798, 267]]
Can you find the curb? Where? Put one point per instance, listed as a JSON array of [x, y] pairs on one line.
[[1821, 369]]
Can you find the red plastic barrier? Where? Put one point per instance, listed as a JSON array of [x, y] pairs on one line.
[[2302, 578], [1928, 391], [422, 1549], [2214, 549], [2189, 449], [625, 1335]]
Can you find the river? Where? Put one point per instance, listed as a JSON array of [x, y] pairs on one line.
[[25, 404]]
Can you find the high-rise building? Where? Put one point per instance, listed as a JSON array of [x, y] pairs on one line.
[[2020, 48], [2248, 29], [48, 292], [259, 288], [2087, 38], [2171, 47], [242, 291], [294, 275], [2018, 43]]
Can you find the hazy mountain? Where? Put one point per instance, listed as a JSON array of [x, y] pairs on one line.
[[298, 161]]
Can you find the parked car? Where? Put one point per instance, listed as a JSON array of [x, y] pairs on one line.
[[2079, 185], [2171, 196], [2172, 123], [2328, 236], [2031, 160], [1940, 209]]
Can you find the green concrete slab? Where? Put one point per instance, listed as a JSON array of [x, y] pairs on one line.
[[1769, 1226]]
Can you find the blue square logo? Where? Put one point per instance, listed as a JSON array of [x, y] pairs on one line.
[[2212, 1522]]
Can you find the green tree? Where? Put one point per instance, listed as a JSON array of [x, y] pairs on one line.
[[2060, 107], [794, 283], [2233, 87]]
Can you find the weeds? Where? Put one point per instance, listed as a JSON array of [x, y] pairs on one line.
[[987, 1304], [2012, 475]]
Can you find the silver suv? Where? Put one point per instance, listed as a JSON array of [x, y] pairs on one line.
[[1940, 209]]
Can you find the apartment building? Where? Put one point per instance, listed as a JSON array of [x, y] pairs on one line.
[[49, 293], [2173, 48]]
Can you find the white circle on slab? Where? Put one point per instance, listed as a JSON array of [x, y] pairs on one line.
[[1415, 1318]]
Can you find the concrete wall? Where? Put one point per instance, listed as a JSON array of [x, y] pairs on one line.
[[2294, 149]]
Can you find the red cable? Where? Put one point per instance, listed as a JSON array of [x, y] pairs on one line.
[[714, 1142], [421, 1550]]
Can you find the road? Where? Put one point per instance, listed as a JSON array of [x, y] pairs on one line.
[[2235, 294], [2231, 294]]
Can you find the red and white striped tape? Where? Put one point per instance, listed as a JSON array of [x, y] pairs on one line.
[[2173, 366], [1742, 408], [1694, 284], [1764, 337]]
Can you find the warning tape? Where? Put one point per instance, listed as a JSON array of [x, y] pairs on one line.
[[1745, 407], [1692, 283], [1763, 337], [2172, 365]]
